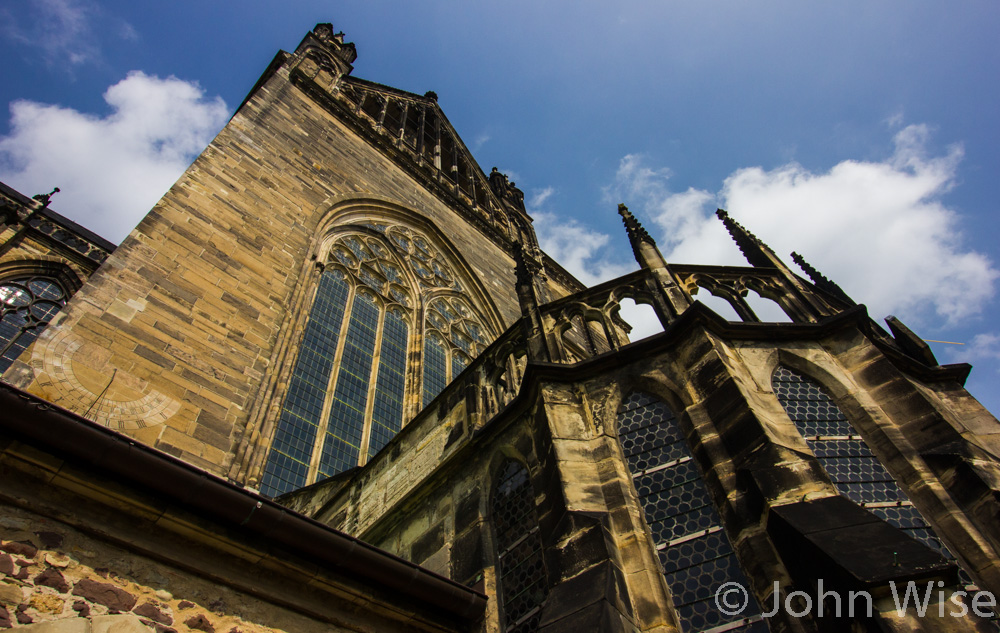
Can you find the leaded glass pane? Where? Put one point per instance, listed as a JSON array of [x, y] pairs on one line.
[[26, 307], [435, 369], [694, 550], [520, 568], [350, 397], [387, 416], [291, 450], [855, 471]]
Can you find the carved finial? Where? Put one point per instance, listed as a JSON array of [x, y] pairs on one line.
[[637, 234], [45, 197], [819, 280], [521, 271], [430, 94], [504, 189], [756, 251], [346, 51]]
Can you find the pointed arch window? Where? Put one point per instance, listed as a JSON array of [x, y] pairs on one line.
[[844, 455], [694, 550], [348, 388], [520, 567], [27, 304], [454, 336]]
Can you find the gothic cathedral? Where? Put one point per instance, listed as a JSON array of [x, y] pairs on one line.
[[332, 383]]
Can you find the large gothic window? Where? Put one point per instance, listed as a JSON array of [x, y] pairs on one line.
[[520, 568], [348, 387], [27, 304], [696, 555], [854, 469]]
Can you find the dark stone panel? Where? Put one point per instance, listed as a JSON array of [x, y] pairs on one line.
[[431, 541], [467, 560], [602, 585], [585, 540], [848, 547], [467, 511], [599, 617]]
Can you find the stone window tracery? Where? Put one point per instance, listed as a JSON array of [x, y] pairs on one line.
[[347, 390], [27, 304], [453, 337]]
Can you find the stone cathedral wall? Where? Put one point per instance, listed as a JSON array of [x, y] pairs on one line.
[[173, 338]]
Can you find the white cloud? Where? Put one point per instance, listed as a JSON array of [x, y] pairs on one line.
[[481, 140], [575, 247], [879, 229], [61, 29], [111, 169], [982, 348], [539, 197]]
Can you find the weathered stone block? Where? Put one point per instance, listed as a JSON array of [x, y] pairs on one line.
[[105, 593]]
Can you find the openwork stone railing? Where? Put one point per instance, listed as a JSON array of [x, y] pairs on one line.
[[588, 324], [732, 283]]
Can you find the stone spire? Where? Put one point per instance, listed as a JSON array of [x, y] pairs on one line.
[[521, 272], [670, 298], [527, 297], [820, 281], [804, 304], [637, 234], [757, 252]]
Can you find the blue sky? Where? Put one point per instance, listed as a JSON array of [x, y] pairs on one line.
[[863, 135]]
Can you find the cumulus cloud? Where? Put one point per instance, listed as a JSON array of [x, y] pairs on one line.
[[879, 229], [111, 169]]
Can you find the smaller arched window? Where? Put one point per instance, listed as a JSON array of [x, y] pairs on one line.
[[454, 336], [520, 568], [27, 304], [854, 469], [694, 550]]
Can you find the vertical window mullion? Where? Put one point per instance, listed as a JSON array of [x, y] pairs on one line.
[[323, 422], [390, 386], [373, 381], [435, 377], [342, 442], [696, 555]]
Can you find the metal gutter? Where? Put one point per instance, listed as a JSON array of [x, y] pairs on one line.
[[68, 435]]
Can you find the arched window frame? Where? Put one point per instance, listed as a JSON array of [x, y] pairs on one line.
[[23, 274], [692, 543], [452, 322], [410, 259], [857, 473]]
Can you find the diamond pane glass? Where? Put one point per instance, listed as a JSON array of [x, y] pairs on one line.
[[520, 568], [695, 553]]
